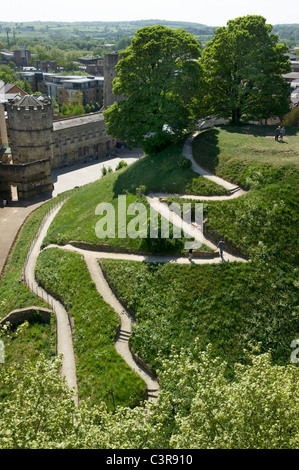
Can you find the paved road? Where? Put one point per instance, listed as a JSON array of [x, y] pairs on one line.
[[83, 173], [13, 215]]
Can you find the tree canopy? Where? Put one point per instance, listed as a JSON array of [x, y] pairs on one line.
[[198, 408], [158, 81], [244, 65]]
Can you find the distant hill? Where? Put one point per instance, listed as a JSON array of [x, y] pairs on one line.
[[114, 31]]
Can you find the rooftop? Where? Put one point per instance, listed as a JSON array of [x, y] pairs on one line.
[[30, 100], [78, 121]]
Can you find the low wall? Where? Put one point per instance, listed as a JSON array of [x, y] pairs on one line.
[[17, 317], [29, 178]]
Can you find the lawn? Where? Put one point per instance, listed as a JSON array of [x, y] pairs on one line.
[[229, 151], [163, 173], [100, 368], [76, 221]]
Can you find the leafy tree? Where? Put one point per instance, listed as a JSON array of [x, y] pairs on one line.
[[243, 65], [64, 109], [7, 74], [24, 85], [197, 408], [159, 78]]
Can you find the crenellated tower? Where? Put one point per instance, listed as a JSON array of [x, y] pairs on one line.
[[30, 127]]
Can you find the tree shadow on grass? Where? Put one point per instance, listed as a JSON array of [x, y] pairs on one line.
[[257, 130], [206, 149]]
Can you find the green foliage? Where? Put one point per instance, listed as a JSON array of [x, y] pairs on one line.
[[227, 304], [121, 164], [236, 84], [29, 340], [198, 408], [292, 118], [159, 77], [185, 162], [95, 323]]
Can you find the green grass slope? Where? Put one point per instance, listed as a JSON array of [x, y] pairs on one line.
[[100, 368]]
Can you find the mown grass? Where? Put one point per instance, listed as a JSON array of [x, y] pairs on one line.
[[76, 221], [163, 173], [238, 153], [99, 367]]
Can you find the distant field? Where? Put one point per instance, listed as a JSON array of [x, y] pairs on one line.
[[251, 143]]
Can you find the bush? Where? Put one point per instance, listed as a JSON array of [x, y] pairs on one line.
[[121, 164], [185, 162], [292, 118]]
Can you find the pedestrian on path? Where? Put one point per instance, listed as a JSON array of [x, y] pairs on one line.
[[190, 254], [282, 133], [277, 133], [220, 246]]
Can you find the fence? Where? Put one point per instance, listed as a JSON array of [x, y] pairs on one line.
[[31, 284]]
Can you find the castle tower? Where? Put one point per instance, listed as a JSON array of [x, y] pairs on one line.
[[110, 61], [30, 127]]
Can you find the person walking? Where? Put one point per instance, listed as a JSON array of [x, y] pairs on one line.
[[190, 254], [220, 246], [282, 133], [277, 133]]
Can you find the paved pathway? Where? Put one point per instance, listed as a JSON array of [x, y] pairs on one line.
[[187, 152], [13, 216], [64, 333], [65, 342]]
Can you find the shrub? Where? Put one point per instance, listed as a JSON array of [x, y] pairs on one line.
[[121, 164], [185, 162]]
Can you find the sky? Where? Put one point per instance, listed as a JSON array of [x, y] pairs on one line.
[[207, 12]]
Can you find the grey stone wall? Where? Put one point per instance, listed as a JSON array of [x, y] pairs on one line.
[[81, 138], [29, 178], [17, 317]]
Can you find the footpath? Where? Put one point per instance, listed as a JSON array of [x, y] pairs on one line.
[[64, 333]]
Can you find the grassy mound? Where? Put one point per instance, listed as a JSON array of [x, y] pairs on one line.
[[227, 305], [76, 221], [100, 368]]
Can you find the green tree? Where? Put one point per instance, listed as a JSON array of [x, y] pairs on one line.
[[7, 74], [243, 67], [158, 80], [24, 85], [64, 109], [198, 408]]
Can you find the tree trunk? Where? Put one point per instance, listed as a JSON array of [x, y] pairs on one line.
[[236, 114]]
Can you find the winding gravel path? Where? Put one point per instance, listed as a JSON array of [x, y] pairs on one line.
[[64, 333]]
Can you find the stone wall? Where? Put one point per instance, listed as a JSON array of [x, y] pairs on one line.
[[29, 131], [81, 138], [110, 73], [30, 179], [17, 317]]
